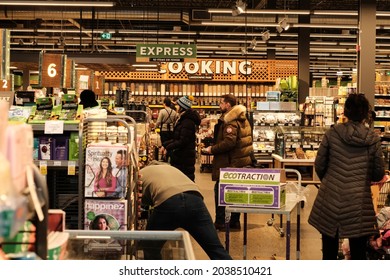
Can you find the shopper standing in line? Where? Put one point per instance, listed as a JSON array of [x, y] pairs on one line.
[[182, 148], [177, 203], [232, 148], [348, 160], [166, 121], [88, 99]]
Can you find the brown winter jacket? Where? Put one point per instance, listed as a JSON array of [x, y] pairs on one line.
[[348, 160], [233, 141]]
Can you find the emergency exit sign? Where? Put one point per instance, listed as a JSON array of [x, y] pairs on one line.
[[105, 36]]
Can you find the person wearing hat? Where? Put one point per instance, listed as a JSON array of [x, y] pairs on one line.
[[182, 148]]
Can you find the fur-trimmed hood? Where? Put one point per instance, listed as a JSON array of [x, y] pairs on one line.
[[238, 112]]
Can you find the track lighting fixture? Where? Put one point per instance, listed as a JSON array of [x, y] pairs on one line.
[[21, 42], [239, 8], [244, 51], [266, 36], [284, 24], [253, 44]]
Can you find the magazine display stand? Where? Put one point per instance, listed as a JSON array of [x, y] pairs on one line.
[[130, 139]]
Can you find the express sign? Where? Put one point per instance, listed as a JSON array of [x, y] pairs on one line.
[[166, 51]]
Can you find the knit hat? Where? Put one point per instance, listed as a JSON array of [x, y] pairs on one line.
[[185, 102]]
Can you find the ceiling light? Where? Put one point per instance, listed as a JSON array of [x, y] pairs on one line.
[[244, 51], [284, 24], [58, 3], [253, 44], [239, 8], [266, 35], [279, 29]]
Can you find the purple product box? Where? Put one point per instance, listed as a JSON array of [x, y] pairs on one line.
[[45, 151], [60, 148]]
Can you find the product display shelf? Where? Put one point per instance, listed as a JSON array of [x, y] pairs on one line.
[[131, 127], [382, 111], [265, 122], [39, 130]]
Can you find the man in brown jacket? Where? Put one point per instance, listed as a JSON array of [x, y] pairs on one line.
[[232, 148]]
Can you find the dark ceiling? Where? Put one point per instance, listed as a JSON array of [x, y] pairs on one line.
[[76, 31]]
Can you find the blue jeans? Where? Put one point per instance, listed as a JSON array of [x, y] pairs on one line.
[[188, 211]]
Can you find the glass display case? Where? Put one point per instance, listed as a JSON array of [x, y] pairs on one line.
[[265, 124], [298, 142]]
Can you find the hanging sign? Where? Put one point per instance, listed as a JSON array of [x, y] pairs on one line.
[[52, 70], [98, 84], [6, 83], [70, 73], [84, 79], [165, 52]]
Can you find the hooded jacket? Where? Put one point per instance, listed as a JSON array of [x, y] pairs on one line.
[[182, 147], [233, 141], [348, 160]]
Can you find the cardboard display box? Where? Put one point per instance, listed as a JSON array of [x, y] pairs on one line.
[[249, 187]]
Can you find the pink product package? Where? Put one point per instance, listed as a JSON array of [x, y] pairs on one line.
[[19, 142]]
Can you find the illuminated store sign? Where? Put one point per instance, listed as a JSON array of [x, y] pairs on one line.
[[208, 67]]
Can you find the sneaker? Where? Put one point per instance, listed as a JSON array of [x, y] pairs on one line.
[[235, 225], [220, 227]]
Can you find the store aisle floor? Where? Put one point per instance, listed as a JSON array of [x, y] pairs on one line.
[[263, 240]]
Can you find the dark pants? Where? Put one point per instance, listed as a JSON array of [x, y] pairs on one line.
[[187, 211], [220, 210], [357, 246]]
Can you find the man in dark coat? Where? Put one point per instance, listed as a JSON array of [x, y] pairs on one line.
[[232, 148], [348, 160], [182, 148]]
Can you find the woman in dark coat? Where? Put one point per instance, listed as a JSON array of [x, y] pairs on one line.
[[348, 160], [182, 148]]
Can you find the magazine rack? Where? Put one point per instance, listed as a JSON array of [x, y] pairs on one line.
[[131, 139]]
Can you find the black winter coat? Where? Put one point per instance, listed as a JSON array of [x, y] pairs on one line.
[[182, 148], [348, 160]]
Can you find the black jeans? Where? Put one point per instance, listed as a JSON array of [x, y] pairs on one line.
[[357, 246], [220, 210], [188, 211]]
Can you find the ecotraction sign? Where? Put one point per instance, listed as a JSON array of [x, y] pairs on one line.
[[249, 187], [165, 52]]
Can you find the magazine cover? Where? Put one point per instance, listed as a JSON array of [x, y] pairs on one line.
[[106, 171], [105, 214]]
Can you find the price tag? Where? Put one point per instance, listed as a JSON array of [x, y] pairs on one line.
[[54, 127], [71, 168], [43, 167], [57, 163]]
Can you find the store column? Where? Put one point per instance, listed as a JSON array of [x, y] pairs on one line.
[[303, 54], [366, 49]]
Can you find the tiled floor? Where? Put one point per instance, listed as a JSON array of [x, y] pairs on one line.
[[263, 240]]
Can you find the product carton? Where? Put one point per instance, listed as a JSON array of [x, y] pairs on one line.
[[250, 187]]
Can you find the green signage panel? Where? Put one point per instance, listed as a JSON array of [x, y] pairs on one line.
[[105, 36], [166, 51]]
